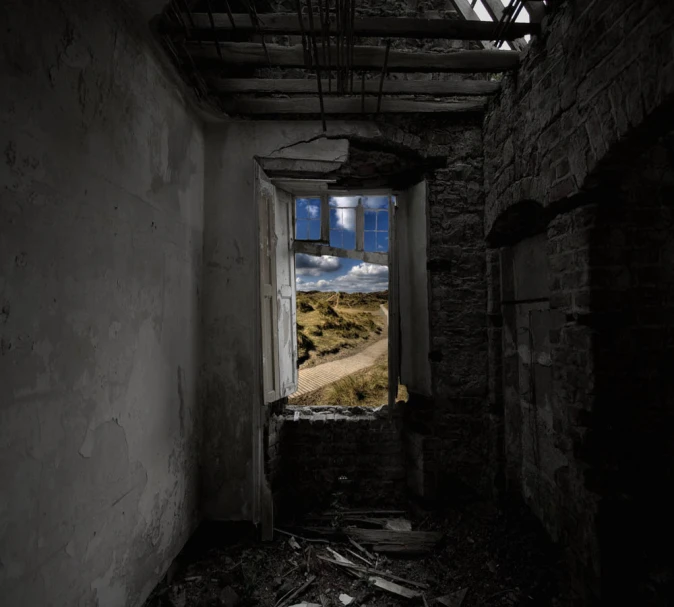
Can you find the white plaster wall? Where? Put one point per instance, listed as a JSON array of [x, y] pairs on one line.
[[101, 190]]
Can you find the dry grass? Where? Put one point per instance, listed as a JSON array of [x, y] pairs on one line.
[[367, 388], [330, 324]]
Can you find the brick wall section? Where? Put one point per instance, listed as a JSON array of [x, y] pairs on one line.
[[600, 69], [455, 424], [572, 518], [610, 279], [630, 447], [363, 449]]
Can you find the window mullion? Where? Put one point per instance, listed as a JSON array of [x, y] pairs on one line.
[[360, 225], [325, 219]]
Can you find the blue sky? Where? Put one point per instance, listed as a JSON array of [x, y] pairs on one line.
[[338, 274]]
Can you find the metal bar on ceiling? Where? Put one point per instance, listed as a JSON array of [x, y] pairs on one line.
[[383, 74], [317, 63]]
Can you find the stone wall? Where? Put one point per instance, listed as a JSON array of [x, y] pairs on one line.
[[605, 457], [100, 253], [600, 70], [455, 424], [327, 454], [561, 143]]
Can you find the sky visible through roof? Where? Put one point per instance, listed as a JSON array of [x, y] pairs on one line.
[[329, 273]]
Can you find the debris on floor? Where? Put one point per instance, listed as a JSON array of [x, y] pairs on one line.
[[372, 558]]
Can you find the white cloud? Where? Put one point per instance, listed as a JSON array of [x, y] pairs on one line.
[[363, 278], [313, 212], [310, 265]]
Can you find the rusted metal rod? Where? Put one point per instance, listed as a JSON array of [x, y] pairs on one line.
[[229, 14], [383, 73], [210, 17], [307, 51], [317, 63]]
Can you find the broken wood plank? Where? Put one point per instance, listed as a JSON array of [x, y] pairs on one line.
[[289, 597], [400, 542], [389, 27], [299, 537], [374, 571], [359, 547], [359, 557], [394, 588], [452, 600], [364, 58], [292, 86], [346, 105], [398, 524]]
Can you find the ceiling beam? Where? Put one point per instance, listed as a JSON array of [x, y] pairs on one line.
[[364, 58], [391, 27], [345, 105], [495, 10], [465, 9], [437, 88], [536, 10]]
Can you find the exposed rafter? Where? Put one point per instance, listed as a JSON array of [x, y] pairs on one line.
[[345, 105], [364, 58], [392, 27], [436, 88]]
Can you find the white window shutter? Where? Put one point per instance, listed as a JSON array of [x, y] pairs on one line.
[[285, 288], [265, 198]]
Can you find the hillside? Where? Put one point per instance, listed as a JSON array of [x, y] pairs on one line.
[[330, 325]]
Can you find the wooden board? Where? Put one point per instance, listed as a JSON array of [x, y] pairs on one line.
[[364, 58], [436, 88], [393, 27], [398, 542], [345, 105]]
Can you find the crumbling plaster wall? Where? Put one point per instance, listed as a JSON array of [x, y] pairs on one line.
[[452, 428], [100, 246]]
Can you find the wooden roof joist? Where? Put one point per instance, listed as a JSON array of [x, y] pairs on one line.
[[389, 27], [364, 58], [345, 105], [437, 88]]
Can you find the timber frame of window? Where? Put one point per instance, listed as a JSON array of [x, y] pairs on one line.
[[322, 245]]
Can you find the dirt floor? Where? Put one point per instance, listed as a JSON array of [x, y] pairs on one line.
[[499, 558]]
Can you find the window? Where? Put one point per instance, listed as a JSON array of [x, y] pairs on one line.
[[343, 215], [376, 226], [308, 218]]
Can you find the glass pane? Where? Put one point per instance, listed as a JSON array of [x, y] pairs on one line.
[[336, 238], [382, 221], [347, 220], [334, 218], [343, 201], [349, 240], [382, 241], [370, 220], [302, 229], [307, 208], [314, 230], [375, 202], [370, 243]]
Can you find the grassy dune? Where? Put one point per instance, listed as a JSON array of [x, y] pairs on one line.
[[330, 325]]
